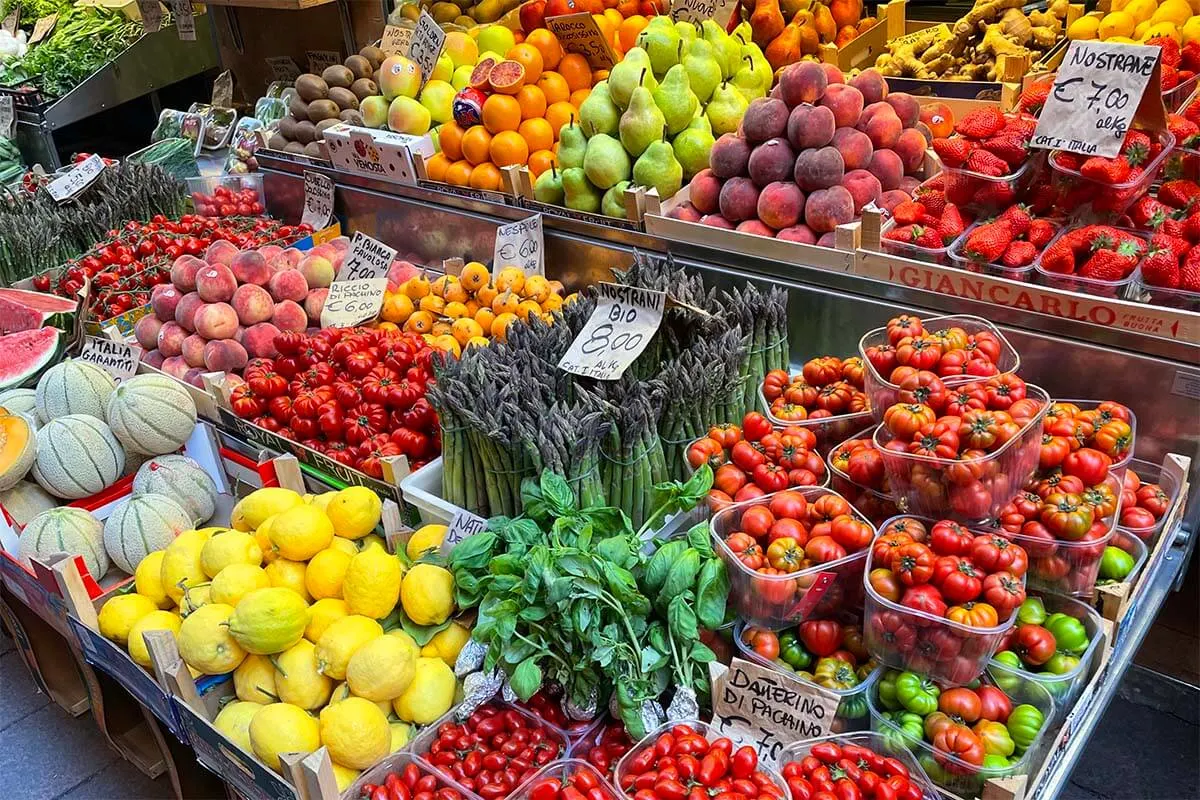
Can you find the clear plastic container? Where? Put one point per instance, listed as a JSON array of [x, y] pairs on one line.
[[882, 393], [1177, 96], [905, 638], [964, 262], [967, 489], [963, 779], [873, 741], [822, 479], [930, 255], [964, 187], [396, 762], [1074, 283], [828, 430], [1149, 472], [1143, 292], [1119, 465], [1136, 548], [563, 770], [1184, 162], [777, 601], [875, 504], [1066, 687], [1087, 200], [615, 745], [203, 192], [852, 714]]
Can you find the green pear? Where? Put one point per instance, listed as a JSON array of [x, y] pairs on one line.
[[724, 110], [658, 169], [642, 122], [572, 145], [598, 113], [759, 65], [613, 202], [686, 31], [606, 162], [548, 187], [727, 50], [748, 82], [675, 100], [578, 192], [632, 71], [704, 71], [661, 41], [692, 146]]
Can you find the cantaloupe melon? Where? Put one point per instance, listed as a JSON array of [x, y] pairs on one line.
[[18, 448], [77, 456], [141, 525], [151, 414], [19, 401], [181, 479], [25, 501], [73, 387], [65, 530]]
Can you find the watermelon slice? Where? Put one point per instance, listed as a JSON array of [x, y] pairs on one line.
[[24, 355], [23, 310]]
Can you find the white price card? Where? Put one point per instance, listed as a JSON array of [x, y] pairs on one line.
[[185, 19], [625, 320], [580, 34], [366, 258], [151, 12], [12, 21], [42, 28], [222, 94], [396, 40], [1096, 93], [116, 358], [8, 117], [463, 526], [427, 40], [283, 68], [320, 60], [693, 11], [75, 181], [318, 200], [350, 303], [520, 244]]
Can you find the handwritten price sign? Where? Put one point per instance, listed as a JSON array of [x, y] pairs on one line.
[[75, 181], [427, 40], [116, 358], [693, 11], [366, 258], [352, 302], [520, 244], [624, 322], [580, 34], [463, 526], [318, 200]]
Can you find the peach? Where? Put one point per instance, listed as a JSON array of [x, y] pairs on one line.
[[251, 266], [686, 212], [288, 284], [773, 160], [341, 243], [259, 340], [728, 156], [154, 358], [909, 184], [293, 255], [802, 82], [252, 304], [185, 310], [765, 119], [170, 339], [238, 334], [705, 191], [911, 149], [325, 250], [716, 221], [215, 283], [163, 300], [315, 302], [755, 227], [810, 126], [845, 102], [216, 321], [892, 198], [269, 252], [183, 272], [828, 240], [869, 113], [220, 252], [776, 92], [924, 130], [174, 366], [193, 350], [781, 204], [883, 130], [195, 377], [906, 106], [317, 271], [855, 147], [224, 356], [887, 167], [825, 209], [739, 199], [146, 331], [798, 233], [819, 169], [833, 74], [289, 316], [863, 187], [871, 85]]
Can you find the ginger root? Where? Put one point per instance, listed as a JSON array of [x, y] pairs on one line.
[[1015, 26], [995, 44], [983, 12]]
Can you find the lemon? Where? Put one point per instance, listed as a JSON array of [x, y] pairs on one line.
[[1166, 29], [321, 614], [270, 620], [427, 594], [1140, 10], [120, 613], [154, 621], [430, 694], [229, 547], [234, 721], [344, 545], [205, 642], [401, 733], [236, 581], [300, 533], [325, 573], [262, 503], [283, 728], [1086, 27], [254, 680], [354, 511], [341, 640], [429, 651], [370, 539], [345, 776], [321, 500], [450, 641], [427, 537], [297, 680], [1177, 11], [1116, 23], [372, 583], [262, 535], [289, 575], [237, 520], [181, 563], [194, 597], [147, 579], [382, 668], [1191, 30], [342, 692], [355, 732]]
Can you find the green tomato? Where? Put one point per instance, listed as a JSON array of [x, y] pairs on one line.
[[794, 654], [885, 689], [1070, 636], [934, 770], [911, 726], [1007, 679], [1115, 564], [917, 694], [994, 761], [1024, 724], [1031, 612], [1060, 664], [853, 706]]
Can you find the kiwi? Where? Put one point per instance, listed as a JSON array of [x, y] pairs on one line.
[[343, 97], [372, 54], [298, 108], [325, 125], [277, 142], [364, 88], [377, 77], [287, 127], [316, 150], [311, 87], [322, 109], [305, 132], [352, 116], [360, 66], [337, 75], [294, 147]]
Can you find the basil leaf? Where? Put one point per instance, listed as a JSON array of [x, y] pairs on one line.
[[702, 653], [615, 549], [421, 634], [526, 679], [699, 537], [557, 494], [652, 659], [712, 593], [682, 620]]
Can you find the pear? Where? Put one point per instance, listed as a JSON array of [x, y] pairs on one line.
[[759, 65], [606, 162], [631, 72], [642, 122], [704, 71], [748, 82], [578, 193], [661, 41], [724, 110], [727, 50], [686, 31], [548, 187], [572, 145], [658, 169], [613, 202], [692, 146], [598, 113], [675, 100]]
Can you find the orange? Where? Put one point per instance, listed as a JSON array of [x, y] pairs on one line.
[[575, 71], [500, 325], [450, 138], [475, 145], [605, 26], [438, 287], [537, 134], [527, 307], [506, 303], [455, 292], [508, 148], [465, 329], [459, 173], [390, 327], [613, 16], [474, 276], [485, 295], [530, 58], [540, 161], [559, 114], [578, 96], [396, 307], [554, 87], [548, 45], [456, 310], [501, 113], [419, 322], [532, 101], [507, 77], [433, 304], [599, 75], [440, 328], [628, 32], [486, 175], [436, 167]]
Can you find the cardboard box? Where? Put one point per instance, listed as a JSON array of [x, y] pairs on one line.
[[377, 154]]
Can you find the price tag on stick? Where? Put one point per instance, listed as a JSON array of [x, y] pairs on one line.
[[693, 11], [151, 12], [75, 181], [283, 68], [1098, 91], [366, 258], [8, 117], [427, 41], [351, 303], [620, 328], [520, 244], [12, 21], [320, 60], [463, 526], [185, 19], [116, 358], [580, 34], [42, 28], [396, 40], [318, 200]]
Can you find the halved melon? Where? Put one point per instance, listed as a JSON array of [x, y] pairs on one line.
[[18, 448]]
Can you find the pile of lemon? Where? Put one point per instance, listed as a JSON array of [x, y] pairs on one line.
[[456, 312], [290, 599], [1133, 21]]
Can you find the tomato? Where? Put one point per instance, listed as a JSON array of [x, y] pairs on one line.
[[1090, 466], [902, 326], [770, 477], [957, 749], [772, 586], [851, 533], [705, 451], [923, 388], [789, 505], [905, 420], [245, 402], [918, 351], [960, 704], [748, 492], [994, 553], [865, 467], [785, 555], [1114, 439], [823, 370], [1056, 481], [975, 614], [1137, 518], [827, 508], [746, 456], [882, 358], [763, 642], [787, 528], [774, 383], [726, 435], [1003, 390], [1066, 515], [948, 538], [924, 598], [993, 704], [1102, 499], [835, 397], [821, 637], [745, 549], [913, 563], [1004, 592], [824, 549], [729, 479], [957, 578], [1054, 450], [755, 426], [884, 582], [1151, 497], [757, 520]]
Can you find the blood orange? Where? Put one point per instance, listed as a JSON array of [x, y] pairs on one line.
[[507, 77], [479, 75]]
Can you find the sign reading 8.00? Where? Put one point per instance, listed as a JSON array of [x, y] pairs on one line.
[[620, 328]]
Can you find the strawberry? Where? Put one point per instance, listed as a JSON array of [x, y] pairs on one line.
[[953, 152], [951, 225], [1068, 161], [1137, 148], [1182, 128], [1040, 232], [1191, 228], [901, 233], [1189, 57], [1044, 198], [1189, 274], [1179, 247], [986, 163], [1160, 267], [1144, 209], [1105, 170], [1059, 258], [928, 236], [1167, 225], [1033, 98], [994, 194], [981, 123], [1179, 193], [1171, 54], [1018, 217], [1104, 265], [936, 183], [1010, 148], [989, 241], [908, 213], [1169, 77], [933, 200], [1019, 254]]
